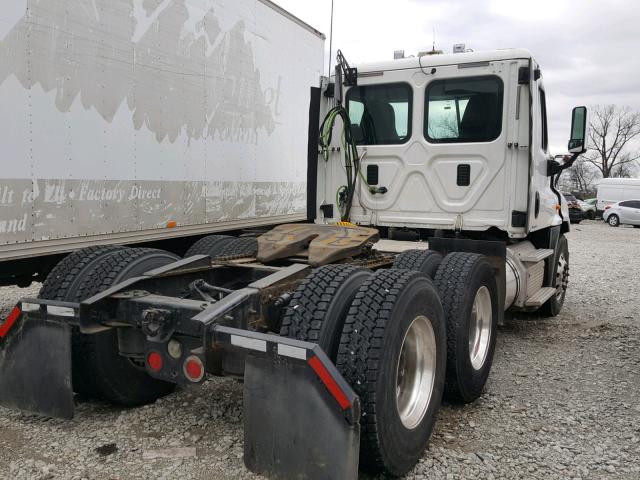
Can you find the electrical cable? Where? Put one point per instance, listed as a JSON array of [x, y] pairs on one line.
[[351, 158]]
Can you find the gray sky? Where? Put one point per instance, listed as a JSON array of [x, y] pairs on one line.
[[589, 51]]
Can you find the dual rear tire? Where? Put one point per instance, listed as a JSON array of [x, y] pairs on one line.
[[467, 288], [98, 370], [223, 246], [400, 346], [385, 332]]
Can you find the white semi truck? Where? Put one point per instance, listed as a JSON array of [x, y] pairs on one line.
[[434, 210]]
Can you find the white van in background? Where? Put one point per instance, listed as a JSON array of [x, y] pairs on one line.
[[614, 190]]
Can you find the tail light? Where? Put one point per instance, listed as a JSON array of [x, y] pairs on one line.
[[607, 207], [155, 361], [193, 369]]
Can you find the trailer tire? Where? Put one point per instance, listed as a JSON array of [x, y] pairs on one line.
[[425, 261], [467, 286], [553, 306], [208, 245], [108, 375], [393, 309], [320, 304]]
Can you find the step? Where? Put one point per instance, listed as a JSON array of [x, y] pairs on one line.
[[536, 256], [540, 297]]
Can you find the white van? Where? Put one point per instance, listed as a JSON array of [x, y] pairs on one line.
[[613, 190]]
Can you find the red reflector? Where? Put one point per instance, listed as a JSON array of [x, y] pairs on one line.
[[329, 382], [194, 369], [155, 362], [10, 320]]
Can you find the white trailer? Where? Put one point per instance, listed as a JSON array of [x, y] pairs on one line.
[[129, 121]]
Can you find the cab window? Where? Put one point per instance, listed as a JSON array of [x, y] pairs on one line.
[[464, 110], [543, 122], [380, 114]]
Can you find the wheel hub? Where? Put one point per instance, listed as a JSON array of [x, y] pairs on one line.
[[416, 372], [562, 276], [480, 328]]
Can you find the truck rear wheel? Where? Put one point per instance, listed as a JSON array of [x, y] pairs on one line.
[[467, 286], [553, 306], [393, 354], [208, 245], [246, 246], [107, 374], [62, 284], [320, 304], [425, 261]]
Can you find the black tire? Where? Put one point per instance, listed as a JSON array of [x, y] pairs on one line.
[[459, 280], [320, 304], [62, 284], [425, 261], [384, 309], [553, 306], [591, 215], [613, 220], [245, 246], [109, 375], [208, 245]]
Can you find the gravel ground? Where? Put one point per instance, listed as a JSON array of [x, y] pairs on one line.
[[561, 402]]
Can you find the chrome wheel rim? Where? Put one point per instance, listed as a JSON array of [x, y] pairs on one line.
[[416, 372], [480, 328], [613, 220], [562, 276]]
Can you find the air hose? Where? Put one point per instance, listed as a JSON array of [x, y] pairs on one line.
[[345, 193]]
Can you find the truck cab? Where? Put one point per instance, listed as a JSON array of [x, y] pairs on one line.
[[450, 142]]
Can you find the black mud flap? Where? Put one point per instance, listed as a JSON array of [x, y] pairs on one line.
[[293, 427], [35, 365], [301, 419]]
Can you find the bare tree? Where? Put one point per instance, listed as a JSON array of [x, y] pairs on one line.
[[581, 178], [625, 169], [612, 128]]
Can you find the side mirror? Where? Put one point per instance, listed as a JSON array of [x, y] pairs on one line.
[[578, 141]]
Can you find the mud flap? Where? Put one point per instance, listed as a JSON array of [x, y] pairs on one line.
[[35, 367], [293, 426]]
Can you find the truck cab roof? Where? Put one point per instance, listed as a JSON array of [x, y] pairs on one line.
[[428, 61]]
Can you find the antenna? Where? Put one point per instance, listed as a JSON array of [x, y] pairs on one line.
[[433, 46], [330, 41]]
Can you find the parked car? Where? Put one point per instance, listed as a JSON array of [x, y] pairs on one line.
[[588, 209], [576, 214], [623, 213]]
